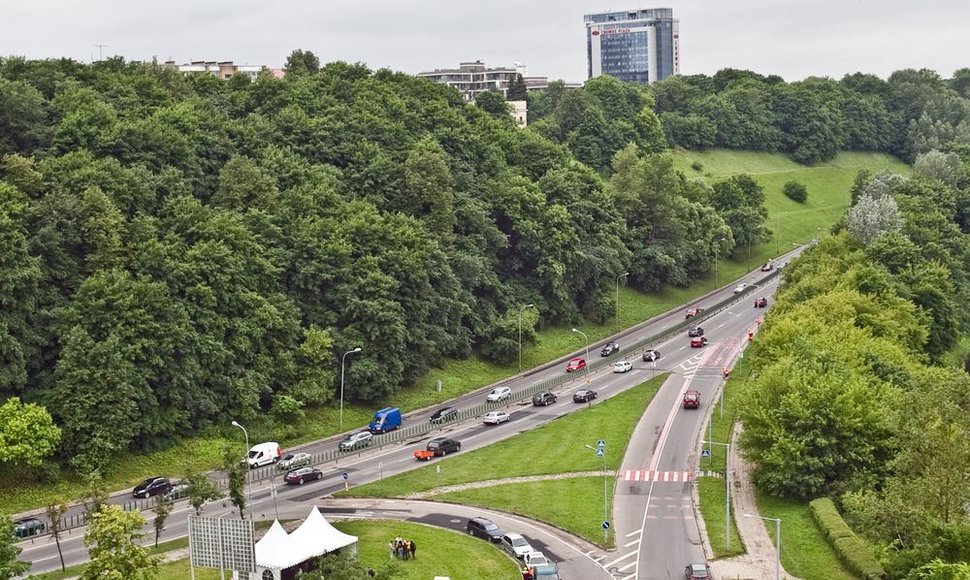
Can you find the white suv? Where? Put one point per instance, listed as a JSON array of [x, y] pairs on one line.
[[516, 545], [499, 394]]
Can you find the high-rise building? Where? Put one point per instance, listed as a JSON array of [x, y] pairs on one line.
[[637, 46]]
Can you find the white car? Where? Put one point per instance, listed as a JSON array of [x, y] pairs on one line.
[[536, 559], [623, 366], [499, 394], [516, 545], [496, 417], [293, 460], [741, 287]]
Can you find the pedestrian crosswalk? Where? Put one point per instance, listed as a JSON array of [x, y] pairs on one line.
[[652, 475]]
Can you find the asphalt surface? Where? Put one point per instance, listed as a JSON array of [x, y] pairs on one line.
[[383, 461]]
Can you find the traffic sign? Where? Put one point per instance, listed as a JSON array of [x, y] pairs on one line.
[[606, 525], [600, 443], [599, 453], [705, 452], [346, 475]]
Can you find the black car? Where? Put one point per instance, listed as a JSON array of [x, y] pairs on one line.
[[584, 395], [28, 527], [485, 529], [696, 331], [651, 355], [302, 475], [611, 347], [697, 572], [177, 491], [444, 414], [152, 486], [443, 446], [543, 399]]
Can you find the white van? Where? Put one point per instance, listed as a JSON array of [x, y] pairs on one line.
[[264, 454]]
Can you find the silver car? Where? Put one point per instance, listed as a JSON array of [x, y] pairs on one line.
[[356, 441], [292, 461]]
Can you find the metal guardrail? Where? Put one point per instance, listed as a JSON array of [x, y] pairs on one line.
[[418, 431]]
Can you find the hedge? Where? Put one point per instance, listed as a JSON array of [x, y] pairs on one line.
[[854, 554]]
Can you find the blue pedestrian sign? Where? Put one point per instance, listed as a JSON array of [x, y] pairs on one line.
[[346, 475], [705, 452], [599, 453], [600, 443], [606, 525]]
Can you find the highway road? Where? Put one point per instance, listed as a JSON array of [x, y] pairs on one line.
[[383, 461]]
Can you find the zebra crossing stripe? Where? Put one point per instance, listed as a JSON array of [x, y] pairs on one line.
[[658, 476]]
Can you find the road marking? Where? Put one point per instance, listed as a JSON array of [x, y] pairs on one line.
[[631, 534], [621, 558], [628, 544], [663, 476], [630, 565]]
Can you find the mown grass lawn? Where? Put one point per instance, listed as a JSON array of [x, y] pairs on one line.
[[556, 447], [712, 510]]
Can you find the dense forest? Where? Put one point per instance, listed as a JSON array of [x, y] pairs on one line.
[[178, 251]]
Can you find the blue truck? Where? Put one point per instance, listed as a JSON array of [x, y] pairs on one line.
[[387, 419]]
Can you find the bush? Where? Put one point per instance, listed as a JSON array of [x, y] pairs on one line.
[[851, 551], [697, 166], [796, 191]]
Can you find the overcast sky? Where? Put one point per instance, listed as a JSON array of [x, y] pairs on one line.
[[792, 38]]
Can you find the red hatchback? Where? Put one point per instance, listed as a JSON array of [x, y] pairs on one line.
[[576, 364], [698, 341]]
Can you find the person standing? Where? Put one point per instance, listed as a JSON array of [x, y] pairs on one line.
[[391, 547], [412, 548]]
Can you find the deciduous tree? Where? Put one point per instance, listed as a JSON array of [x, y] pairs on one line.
[[112, 541]]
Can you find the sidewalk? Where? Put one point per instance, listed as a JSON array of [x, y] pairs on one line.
[[759, 561]]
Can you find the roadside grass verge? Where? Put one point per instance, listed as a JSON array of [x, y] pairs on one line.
[[439, 552], [163, 548], [712, 510], [556, 447], [575, 505]]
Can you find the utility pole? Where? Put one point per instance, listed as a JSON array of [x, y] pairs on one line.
[[101, 48]]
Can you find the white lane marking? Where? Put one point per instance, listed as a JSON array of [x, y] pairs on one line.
[[634, 542], [630, 565], [631, 534], [621, 558]]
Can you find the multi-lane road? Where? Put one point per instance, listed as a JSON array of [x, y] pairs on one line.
[[655, 529]]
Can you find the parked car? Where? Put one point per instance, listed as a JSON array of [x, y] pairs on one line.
[[536, 559], [151, 486], [496, 417], [697, 572], [292, 461], [177, 491], [575, 364], [443, 415], [623, 366], [499, 394], [584, 395], [545, 572], [695, 331], [302, 475], [28, 527], [761, 302], [698, 341], [543, 399], [484, 528], [264, 454], [692, 399], [692, 312], [516, 545], [651, 355], [356, 441], [611, 347], [438, 447], [741, 287], [387, 419], [768, 267]]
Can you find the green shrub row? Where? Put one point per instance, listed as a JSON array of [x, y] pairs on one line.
[[852, 551]]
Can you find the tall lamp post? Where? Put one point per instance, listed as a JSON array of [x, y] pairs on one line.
[[717, 253], [586, 368], [777, 541], [618, 297], [727, 492], [343, 360], [249, 490], [601, 451], [521, 310]]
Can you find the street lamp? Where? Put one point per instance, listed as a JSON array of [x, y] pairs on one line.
[[717, 252], [343, 360], [529, 305], [777, 541], [727, 492], [249, 490], [618, 297], [606, 510], [586, 368]]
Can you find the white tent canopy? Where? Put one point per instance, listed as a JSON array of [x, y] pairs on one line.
[[315, 537]]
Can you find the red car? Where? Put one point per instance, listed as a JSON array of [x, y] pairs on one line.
[[692, 312], [761, 302], [698, 341], [692, 399], [576, 364]]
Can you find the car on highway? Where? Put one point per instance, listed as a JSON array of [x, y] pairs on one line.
[[697, 572], [302, 475], [692, 312], [741, 287], [356, 441], [495, 417], [768, 267], [543, 399], [584, 395], [438, 447], [575, 364], [651, 355], [485, 529], [695, 331], [28, 527], [151, 486], [536, 559], [698, 341], [545, 572], [611, 347], [292, 461], [177, 491], [516, 545], [443, 415], [761, 302], [692, 399], [499, 394], [624, 366]]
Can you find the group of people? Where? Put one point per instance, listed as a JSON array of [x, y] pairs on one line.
[[402, 549]]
